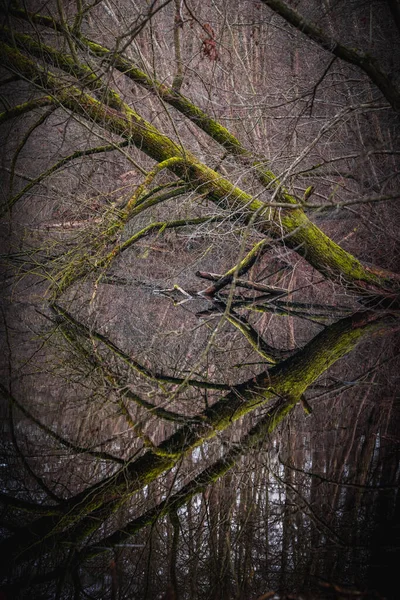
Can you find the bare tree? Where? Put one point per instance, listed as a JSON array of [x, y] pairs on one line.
[[196, 196]]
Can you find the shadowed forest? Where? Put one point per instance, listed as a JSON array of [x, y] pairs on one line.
[[200, 299]]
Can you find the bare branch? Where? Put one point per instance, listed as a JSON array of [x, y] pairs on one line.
[[364, 61]]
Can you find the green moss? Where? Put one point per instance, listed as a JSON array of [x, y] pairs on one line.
[[20, 109], [323, 253], [293, 225], [287, 380]]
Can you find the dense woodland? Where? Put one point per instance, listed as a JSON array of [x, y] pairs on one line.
[[200, 299]]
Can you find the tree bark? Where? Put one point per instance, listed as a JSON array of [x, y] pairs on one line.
[[82, 514], [292, 225], [362, 60]]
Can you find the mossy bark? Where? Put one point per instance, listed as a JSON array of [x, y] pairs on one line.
[[208, 476], [292, 225], [82, 514], [25, 107]]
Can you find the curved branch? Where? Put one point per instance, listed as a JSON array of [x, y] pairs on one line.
[[292, 224], [70, 445], [24, 141], [25, 107], [84, 513], [133, 364], [58, 165], [208, 476], [362, 60]]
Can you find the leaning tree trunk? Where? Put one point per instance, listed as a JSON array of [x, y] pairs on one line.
[[76, 518], [290, 224]]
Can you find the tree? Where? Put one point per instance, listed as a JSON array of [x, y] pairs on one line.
[[146, 188]]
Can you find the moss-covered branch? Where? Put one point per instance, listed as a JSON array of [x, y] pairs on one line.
[[294, 226], [20, 109], [154, 199], [143, 188], [83, 513], [208, 476], [269, 353], [239, 269], [68, 63], [83, 263], [213, 128]]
